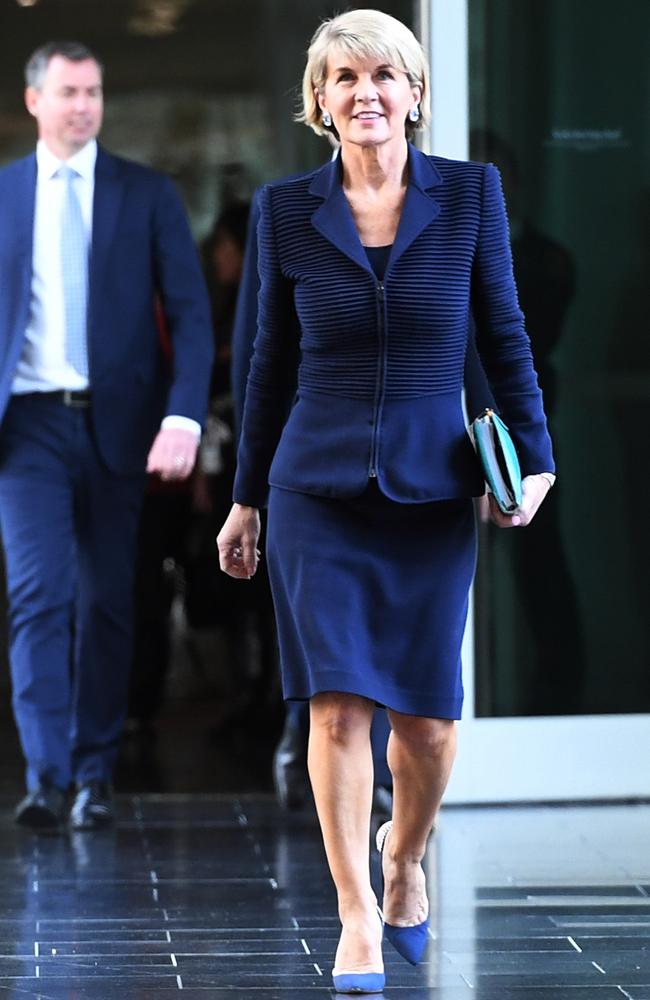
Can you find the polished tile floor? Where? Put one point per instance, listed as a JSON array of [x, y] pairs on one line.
[[219, 895]]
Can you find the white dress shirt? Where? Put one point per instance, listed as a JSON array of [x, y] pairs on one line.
[[42, 366]]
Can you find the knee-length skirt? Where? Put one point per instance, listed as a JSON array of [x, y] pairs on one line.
[[371, 597]]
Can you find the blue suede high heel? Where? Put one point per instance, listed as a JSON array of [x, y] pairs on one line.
[[358, 982], [348, 981], [409, 942]]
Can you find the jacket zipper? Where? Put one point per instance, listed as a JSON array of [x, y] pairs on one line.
[[379, 387]]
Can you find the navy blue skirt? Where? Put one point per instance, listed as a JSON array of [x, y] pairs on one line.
[[371, 597]]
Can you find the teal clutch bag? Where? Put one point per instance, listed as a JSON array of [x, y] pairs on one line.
[[499, 459]]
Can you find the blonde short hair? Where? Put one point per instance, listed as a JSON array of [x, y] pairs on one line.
[[363, 34]]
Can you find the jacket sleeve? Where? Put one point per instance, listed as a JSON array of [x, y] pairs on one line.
[[478, 395], [244, 325], [503, 344], [185, 305], [271, 382]]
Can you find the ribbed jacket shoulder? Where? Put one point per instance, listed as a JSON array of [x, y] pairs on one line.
[[352, 377]]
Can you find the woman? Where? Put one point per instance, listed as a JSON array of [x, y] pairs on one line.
[[369, 268]]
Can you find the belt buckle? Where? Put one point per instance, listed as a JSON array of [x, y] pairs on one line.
[[70, 400]]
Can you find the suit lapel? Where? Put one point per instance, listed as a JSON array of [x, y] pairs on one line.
[[109, 191], [333, 219], [19, 209]]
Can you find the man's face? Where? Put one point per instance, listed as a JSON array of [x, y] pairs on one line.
[[69, 105]]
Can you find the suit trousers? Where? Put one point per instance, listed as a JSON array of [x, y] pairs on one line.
[[68, 528]]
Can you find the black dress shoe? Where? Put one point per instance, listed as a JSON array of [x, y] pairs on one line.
[[44, 808], [92, 808], [290, 777]]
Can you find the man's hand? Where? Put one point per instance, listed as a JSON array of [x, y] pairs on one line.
[[173, 453]]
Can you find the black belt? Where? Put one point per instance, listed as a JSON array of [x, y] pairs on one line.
[[69, 397]]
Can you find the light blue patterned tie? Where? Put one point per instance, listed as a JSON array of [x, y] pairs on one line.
[[74, 272]]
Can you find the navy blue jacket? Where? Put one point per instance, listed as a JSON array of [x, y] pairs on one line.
[[141, 248], [244, 326], [371, 373]]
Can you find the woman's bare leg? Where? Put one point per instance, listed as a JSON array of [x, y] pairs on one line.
[[421, 753], [341, 772]]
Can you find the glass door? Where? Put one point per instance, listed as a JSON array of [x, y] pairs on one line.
[[557, 660]]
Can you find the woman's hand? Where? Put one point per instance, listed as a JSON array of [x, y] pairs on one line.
[[534, 489], [237, 542]]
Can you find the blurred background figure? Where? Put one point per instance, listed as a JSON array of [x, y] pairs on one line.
[[161, 540], [546, 281], [245, 620], [227, 633]]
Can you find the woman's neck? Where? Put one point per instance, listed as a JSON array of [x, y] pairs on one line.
[[374, 167]]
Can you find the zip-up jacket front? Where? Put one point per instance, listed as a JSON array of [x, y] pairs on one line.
[[352, 378]]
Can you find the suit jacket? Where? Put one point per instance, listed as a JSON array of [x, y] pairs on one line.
[[373, 371], [142, 249]]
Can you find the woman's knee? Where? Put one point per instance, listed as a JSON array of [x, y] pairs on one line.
[[340, 718], [431, 738]]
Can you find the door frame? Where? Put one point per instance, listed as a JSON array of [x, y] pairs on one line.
[[536, 758]]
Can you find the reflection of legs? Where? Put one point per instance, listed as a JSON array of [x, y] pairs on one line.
[[340, 768], [290, 757], [162, 523], [548, 595], [420, 755], [259, 619]]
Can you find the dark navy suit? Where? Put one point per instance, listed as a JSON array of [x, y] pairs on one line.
[[71, 479], [380, 365]]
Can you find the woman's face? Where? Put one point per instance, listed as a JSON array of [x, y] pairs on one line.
[[368, 99]]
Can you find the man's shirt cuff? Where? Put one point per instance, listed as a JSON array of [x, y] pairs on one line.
[[176, 423]]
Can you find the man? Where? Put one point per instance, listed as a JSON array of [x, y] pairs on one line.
[[88, 243]]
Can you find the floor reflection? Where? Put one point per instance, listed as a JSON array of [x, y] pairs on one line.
[[215, 894]]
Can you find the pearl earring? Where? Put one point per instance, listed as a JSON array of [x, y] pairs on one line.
[[327, 119], [414, 114]]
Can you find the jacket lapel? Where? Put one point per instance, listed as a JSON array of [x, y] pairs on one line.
[[109, 191], [420, 208], [333, 219], [19, 212]]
